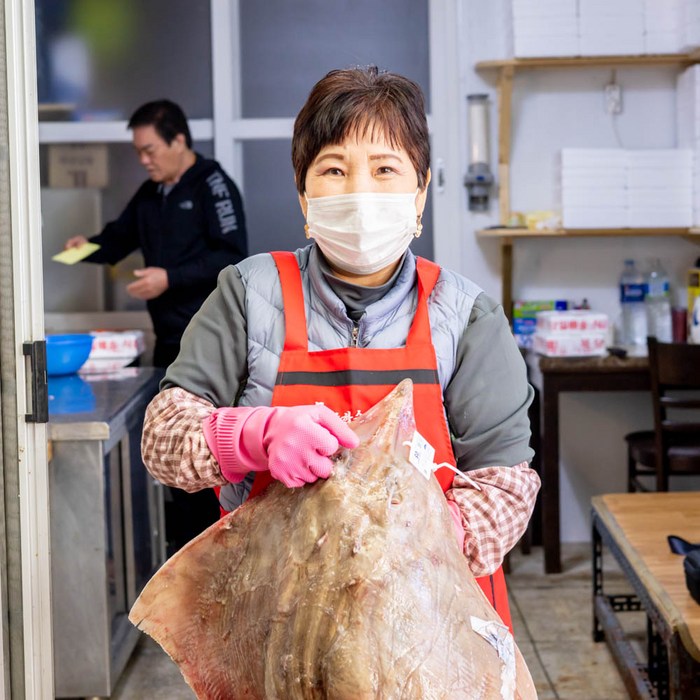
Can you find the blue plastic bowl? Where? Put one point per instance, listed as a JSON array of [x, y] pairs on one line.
[[66, 354]]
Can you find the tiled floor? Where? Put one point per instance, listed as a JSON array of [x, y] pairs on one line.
[[551, 617]]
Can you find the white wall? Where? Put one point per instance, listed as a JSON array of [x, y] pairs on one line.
[[553, 109]]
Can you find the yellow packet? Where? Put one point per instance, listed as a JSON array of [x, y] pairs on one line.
[[74, 255]]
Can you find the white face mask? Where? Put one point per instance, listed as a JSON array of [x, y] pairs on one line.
[[362, 232]]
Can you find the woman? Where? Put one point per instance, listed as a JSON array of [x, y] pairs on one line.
[[289, 343]]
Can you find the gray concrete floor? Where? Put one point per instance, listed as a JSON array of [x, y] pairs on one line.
[[551, 619]]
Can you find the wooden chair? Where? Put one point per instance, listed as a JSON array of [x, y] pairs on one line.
[[673, 447]]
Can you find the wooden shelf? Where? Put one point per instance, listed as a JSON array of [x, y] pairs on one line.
[[666, 59], [505, 75], [505, 232]]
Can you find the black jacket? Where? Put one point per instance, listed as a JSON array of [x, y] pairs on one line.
[[194, 232]]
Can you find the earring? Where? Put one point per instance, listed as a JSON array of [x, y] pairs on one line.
[[306, 231], [419, 226]]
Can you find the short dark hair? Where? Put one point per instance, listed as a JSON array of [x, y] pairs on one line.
[[361, 100], [165, 117]]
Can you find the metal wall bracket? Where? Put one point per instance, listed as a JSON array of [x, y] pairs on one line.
[[39, 387]]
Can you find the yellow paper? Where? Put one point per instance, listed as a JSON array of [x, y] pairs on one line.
[[74, 255]]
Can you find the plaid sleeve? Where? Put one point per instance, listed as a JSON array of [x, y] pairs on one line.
[[173, 447], [496, 504]]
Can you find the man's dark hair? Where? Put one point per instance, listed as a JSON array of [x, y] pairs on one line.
[[361, 101], [165, 117]]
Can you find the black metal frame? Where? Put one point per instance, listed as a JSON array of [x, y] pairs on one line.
[[669, 672]]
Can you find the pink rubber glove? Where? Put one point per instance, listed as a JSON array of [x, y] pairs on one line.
[[457, 523], [295, 443]]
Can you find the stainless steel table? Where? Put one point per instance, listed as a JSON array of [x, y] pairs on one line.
[[107, 524]]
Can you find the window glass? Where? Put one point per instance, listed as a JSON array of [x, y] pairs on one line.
[[100, 59], [287, 46]]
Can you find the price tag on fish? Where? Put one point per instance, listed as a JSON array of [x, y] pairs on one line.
[[421, 454]]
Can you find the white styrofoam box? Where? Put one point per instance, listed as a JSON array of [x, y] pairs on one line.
[[112, 344], [662, 22], [660, 178], [598, 178], [659, 217], [560, 345], [105, 364], [607, 158], [592, 197], [572, 322], [681, 158], [663, 42], [620, 25], [661, 197], [539, 8], [536, 26], [611, 6], [688, 107], [546, 46], [599, 217], [611, 45]]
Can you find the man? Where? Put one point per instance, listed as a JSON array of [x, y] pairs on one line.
[[188, 221]]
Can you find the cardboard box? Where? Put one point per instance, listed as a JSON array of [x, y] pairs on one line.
[[563, 345], [572, 322], [117, 344], [525, 318]]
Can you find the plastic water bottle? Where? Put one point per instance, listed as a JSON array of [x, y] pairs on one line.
[[633, 326], [658, 303]]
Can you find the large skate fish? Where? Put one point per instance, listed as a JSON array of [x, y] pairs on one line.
[[352, 588]]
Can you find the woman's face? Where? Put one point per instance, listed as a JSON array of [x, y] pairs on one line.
[[362, 164]]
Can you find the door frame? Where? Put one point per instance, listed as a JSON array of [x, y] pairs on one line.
[[29, 651], [231, 131]]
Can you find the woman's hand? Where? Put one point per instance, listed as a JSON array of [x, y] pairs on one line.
[[295, 443]]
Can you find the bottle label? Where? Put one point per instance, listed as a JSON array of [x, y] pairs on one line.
[[631, 293], [658, 288]]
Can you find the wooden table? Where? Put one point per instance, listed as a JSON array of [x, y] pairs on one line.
[[552, 376], [634, 527]]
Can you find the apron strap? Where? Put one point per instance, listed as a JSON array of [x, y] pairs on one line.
[[428, 273], [295, 335]]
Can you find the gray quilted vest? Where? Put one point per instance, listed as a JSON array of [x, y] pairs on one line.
[[385, 324]]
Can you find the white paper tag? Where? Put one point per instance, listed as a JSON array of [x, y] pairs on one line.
[[421, 454]]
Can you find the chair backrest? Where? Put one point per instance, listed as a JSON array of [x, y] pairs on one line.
[[674, 367]]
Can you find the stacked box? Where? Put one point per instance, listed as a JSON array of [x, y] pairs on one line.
[[593, 188], [525, 318], [545, 28], [618, 188], [660, 188], [690, 25], [688, 128], [663, 26], [576, 332], [112, 350], [609, 28]]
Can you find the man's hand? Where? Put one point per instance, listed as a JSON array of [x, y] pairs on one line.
[[152, 282], [75, 242]]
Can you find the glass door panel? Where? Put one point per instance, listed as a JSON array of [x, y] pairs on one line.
[[287, 46], [284, 49]]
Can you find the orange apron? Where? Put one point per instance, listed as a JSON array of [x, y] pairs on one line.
[[351, 380]]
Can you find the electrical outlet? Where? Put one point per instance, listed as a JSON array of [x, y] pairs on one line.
[[613, 98]]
